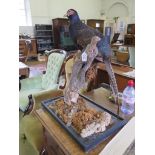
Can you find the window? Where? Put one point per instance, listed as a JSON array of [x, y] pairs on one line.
[[24, 13]]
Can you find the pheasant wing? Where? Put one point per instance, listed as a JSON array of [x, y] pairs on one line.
[[85, 35]]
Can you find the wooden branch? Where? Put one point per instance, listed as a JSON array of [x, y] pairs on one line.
[[77, 81]]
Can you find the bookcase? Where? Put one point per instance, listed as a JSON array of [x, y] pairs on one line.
[[44, 37]]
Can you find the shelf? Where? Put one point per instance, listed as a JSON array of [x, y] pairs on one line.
[[48, 36], [43, 36], [44, 49], [46, 43], [43, 30]]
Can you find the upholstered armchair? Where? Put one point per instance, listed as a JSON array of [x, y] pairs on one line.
[[43, 83], [31, 137], [38, 88]]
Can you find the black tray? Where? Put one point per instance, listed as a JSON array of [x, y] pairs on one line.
[[90, 142]]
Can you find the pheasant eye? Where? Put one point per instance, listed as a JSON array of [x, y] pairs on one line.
[[70, 12]]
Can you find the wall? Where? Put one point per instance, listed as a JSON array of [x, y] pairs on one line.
[[29, 30], [42, 11], [125, 9]]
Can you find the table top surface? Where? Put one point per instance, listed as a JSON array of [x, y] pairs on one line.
[[27, 39], [22, 65], [61, 136], [118, 69]]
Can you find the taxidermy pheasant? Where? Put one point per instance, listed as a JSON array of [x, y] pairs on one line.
[[82, 35], [77, 80]]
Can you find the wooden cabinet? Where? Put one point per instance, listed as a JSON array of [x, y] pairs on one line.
[[52, 147], [24, 51], [131, 29], [97, 24], [57, 23], [22, 47], [129, 40], [61, 34]]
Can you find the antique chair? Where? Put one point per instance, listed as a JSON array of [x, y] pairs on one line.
[[31, 137], [42, 83], [41, 88]]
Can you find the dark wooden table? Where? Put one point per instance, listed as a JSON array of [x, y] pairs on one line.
[[119, 70], [59, 142]]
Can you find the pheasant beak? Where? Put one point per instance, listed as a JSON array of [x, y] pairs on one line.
[[65, 15]]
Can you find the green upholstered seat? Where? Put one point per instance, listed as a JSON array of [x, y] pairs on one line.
[[48, 81]]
